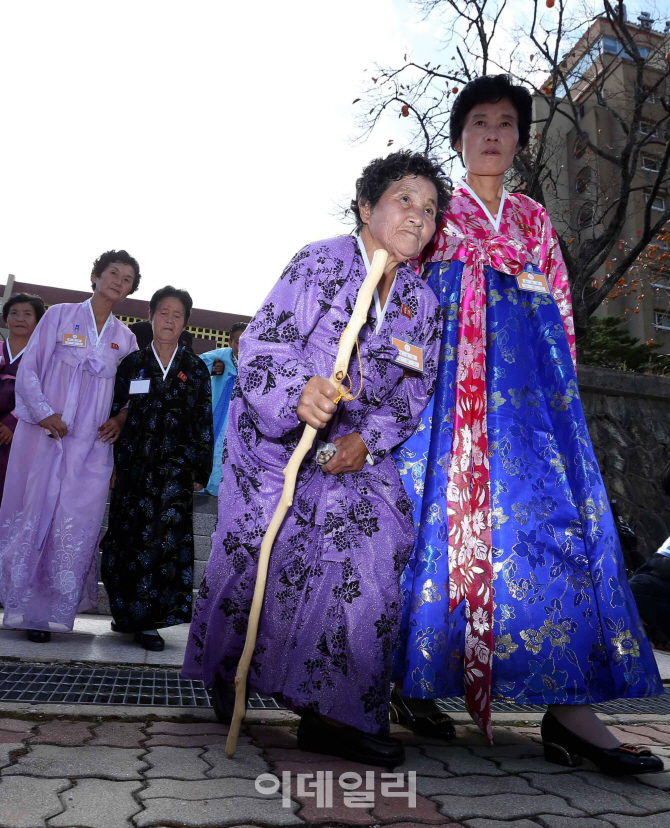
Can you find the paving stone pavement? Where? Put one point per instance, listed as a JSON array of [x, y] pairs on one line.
[[83, 771]]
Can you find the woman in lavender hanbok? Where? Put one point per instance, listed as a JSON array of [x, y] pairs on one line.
[[331, 609], [516, 587], [61, 461], [21, 313]]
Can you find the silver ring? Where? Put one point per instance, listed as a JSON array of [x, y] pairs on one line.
[[325, 452]]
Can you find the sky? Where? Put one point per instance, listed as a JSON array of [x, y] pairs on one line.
[[211, 140]]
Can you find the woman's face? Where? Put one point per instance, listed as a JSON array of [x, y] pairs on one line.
[[169, 320], [403, 220], [235, 343], [21, 319], [115, 282], [490, 138]]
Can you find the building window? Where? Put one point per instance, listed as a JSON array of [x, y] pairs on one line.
[[652, 97], [647, 128], [660, 281], [651, 163], [219, 337], [586, 214], [657, 204], [579, 69], [583, 179], [662, 320], [581, 145], [129, 320], [612, 46]]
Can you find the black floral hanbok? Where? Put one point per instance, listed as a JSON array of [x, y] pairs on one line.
[[165, 447]]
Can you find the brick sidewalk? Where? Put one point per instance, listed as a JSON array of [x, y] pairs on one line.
[[105, 773]]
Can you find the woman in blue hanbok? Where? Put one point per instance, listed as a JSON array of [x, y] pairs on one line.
[[222, 364], [516, 588]]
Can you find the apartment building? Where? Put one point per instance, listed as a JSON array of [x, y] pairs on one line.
[[602, 78]]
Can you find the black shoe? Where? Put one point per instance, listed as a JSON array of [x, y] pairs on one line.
[[223, 700], [114, 627], [563, 747], [38, 636], [318, 736], [429, 721], [150, 642]]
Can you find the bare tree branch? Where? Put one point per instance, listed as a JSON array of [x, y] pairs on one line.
[[569, 65]]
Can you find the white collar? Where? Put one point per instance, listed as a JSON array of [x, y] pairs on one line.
[[98, 336], [381, 312], [494, 221], [160, 364], [9, 351]]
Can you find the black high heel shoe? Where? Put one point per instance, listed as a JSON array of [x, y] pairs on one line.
[[223, 700], [319, 736], [436, 724], [563, 747], [38, 636]]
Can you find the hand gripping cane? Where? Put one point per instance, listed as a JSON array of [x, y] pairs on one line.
[[346, 347]]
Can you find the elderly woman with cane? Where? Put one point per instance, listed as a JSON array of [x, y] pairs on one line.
[[330, 614]]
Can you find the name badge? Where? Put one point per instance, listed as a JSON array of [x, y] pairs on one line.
[[139, 386], [74, 340], [409, 356], [532, 279]]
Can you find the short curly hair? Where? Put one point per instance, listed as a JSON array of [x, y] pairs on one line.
[[171, 292], [379, 173], [237, 326], [114, 257], [25, 298], [491, 89]]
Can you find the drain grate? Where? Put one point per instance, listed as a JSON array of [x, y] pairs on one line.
[[654, 705], [53, 683], [50, 683], [86, 685]]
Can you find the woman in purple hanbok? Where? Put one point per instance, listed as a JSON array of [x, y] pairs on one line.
[[331, 609], [61, 462], [21, 313]]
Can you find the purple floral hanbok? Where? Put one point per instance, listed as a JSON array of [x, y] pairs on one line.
[[331, 610]]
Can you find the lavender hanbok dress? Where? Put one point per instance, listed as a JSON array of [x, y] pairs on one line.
[[55, 490], [331, 610]]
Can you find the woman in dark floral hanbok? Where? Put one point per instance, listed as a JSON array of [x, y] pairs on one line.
[[21, 313], [162, 407], [516, 587], [331, 609]]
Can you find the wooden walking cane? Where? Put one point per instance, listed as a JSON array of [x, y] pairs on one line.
[[346, 347]]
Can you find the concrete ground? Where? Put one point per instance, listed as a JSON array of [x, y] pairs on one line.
[[83, 766], [92, 641], [65, 770]]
